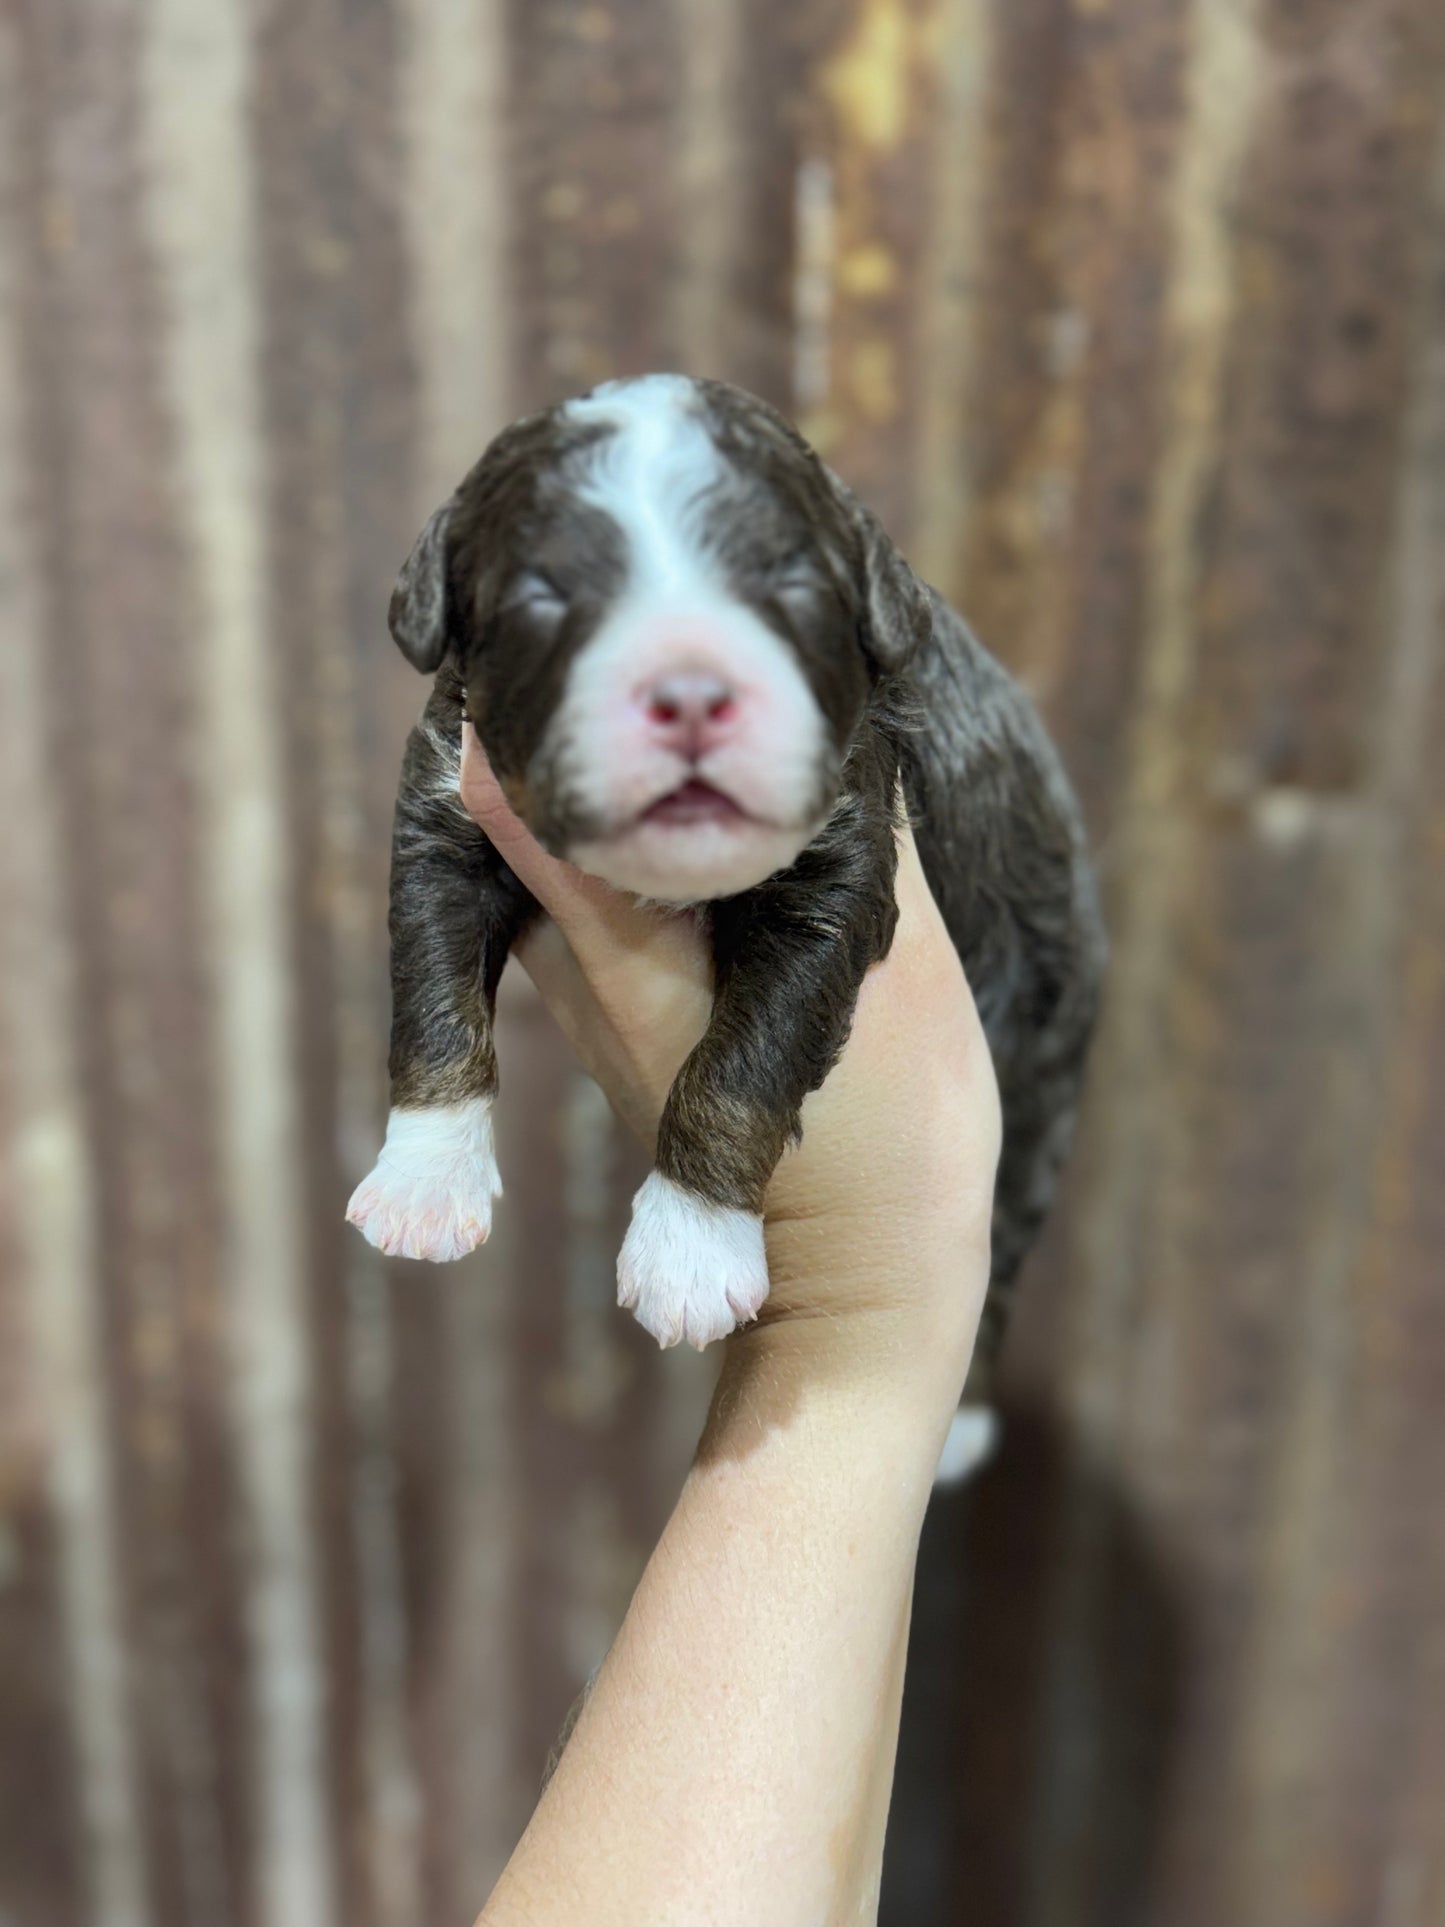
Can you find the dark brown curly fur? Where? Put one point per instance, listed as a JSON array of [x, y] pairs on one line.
[[913, 703]]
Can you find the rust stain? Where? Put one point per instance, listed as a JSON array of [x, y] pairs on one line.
[[868, 269], [873, 379], [877, 109], [950, 296], [867, 80]]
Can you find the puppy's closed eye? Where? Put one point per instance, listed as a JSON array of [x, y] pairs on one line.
[[537, 595], [798, 564], [797, 579]]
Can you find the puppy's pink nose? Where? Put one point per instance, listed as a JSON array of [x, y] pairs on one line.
[[690, 711]]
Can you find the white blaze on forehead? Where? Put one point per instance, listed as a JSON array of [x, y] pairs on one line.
[[655, 477], [650, 474]]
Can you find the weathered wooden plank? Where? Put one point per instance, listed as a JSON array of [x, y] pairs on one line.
[[1086, 121], [1065, 429], [339, 398], [708, 325], [743, 211], [67, 1786], [1101, 1299], [461, 232], [1281, 945], [202, 204], [868, 120], [950, 296], [591, 177], [1365, 1669], [1252, 1212], [452, 1336], [116, 598]]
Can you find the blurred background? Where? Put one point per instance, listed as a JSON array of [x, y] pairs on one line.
[[1128, 317]]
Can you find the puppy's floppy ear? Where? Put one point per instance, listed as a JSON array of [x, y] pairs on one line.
[[418, 612], [897, 617], [900, 620]]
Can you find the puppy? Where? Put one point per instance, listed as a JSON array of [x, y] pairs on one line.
[[702, 672]]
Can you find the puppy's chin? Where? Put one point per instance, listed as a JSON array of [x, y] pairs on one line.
[[691, 862]]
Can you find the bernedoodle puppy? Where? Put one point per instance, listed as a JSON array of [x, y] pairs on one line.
[[701, 671]]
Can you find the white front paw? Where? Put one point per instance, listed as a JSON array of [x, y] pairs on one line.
[[430, 1195], [689, 1269]]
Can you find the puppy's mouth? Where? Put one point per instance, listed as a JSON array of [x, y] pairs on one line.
[[693, 842], [692, 803]]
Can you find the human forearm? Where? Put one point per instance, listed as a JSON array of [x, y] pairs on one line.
[[733, 1761]]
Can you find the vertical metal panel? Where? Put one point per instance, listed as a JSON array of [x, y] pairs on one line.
[[458, 229], [1126, 316], [69, 1789], [200, 196], [114, 599]]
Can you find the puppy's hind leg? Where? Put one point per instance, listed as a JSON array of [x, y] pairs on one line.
[[455, 910]]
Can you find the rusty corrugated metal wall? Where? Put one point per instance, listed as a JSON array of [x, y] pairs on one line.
[[1129, 317]]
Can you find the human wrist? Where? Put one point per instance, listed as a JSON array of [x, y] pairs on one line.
[[878, 1260], [893, 1346]]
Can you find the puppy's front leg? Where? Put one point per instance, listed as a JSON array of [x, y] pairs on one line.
[[790, 957], [455, 911]]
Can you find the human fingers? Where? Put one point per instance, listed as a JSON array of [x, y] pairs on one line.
[[561, 888]]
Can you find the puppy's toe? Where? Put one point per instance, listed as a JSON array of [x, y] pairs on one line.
[[690, 1270], [418, 1221], [430, 1194]]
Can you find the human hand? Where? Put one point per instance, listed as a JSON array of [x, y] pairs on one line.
[[882, 1211], [738, 1758]]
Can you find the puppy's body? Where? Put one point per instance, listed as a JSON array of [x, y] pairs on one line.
[[701, 671], [1002, 846]]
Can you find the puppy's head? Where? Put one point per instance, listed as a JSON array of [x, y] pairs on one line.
[[668, 615]]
